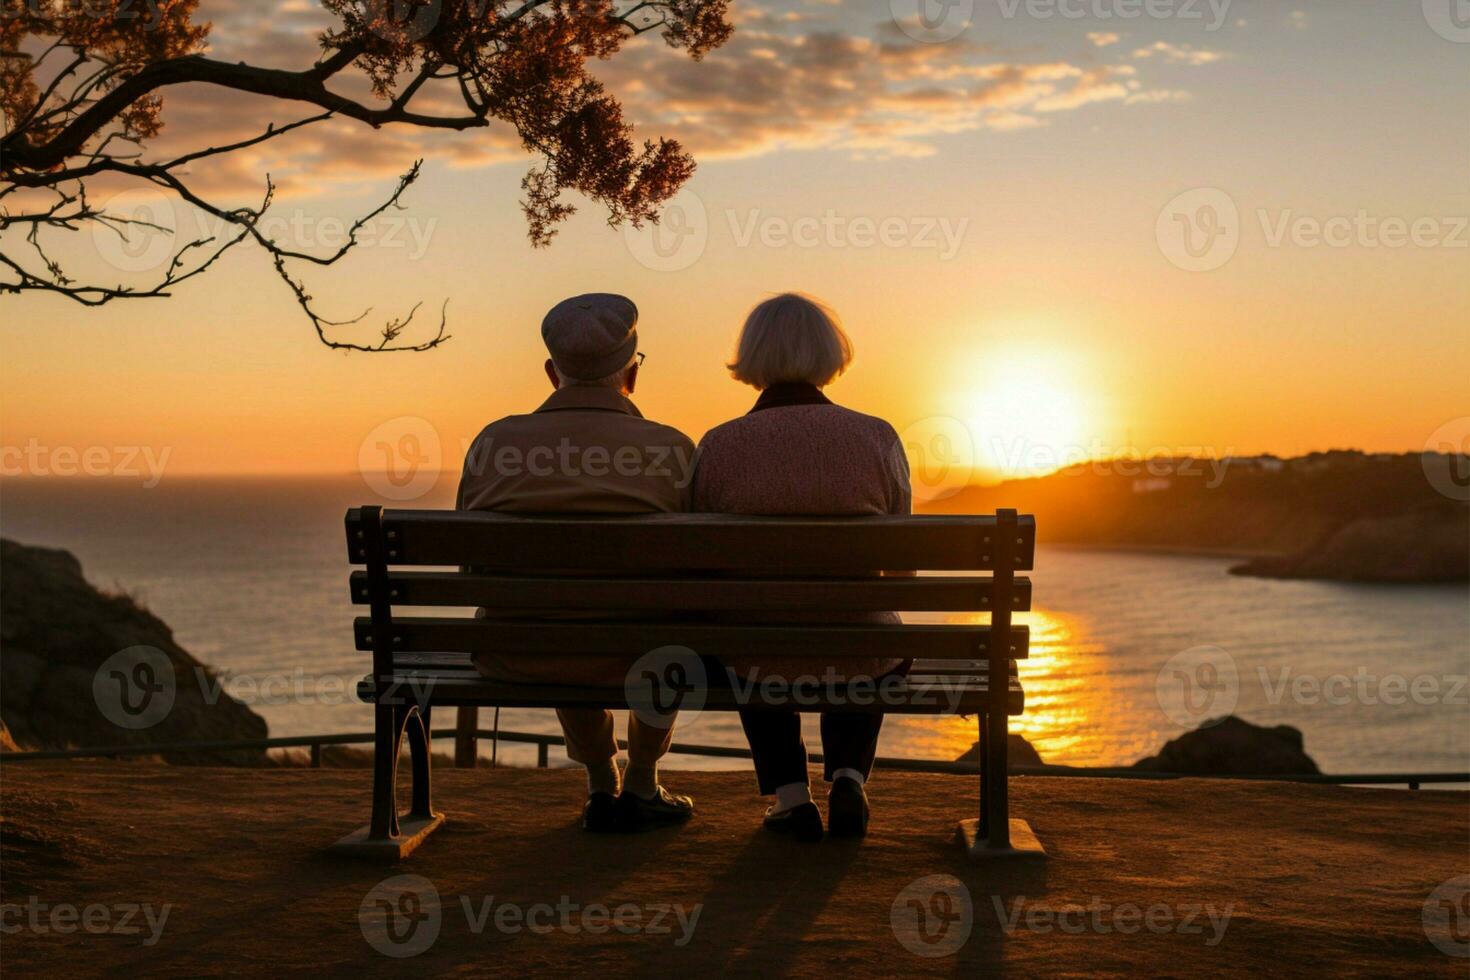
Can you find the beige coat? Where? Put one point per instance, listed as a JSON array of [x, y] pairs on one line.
[[586, 450]]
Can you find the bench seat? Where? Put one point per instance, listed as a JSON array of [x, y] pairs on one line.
[[943, 691]]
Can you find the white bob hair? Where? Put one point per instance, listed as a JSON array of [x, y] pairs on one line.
[[790, 337]]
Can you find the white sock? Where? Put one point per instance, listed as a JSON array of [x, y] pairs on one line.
[[603, 778], [791, 795], [642, 780], [852, 774]]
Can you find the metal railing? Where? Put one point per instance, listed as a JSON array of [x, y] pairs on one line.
[[543, 743]]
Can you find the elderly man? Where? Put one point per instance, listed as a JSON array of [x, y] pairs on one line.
[[588, 450]]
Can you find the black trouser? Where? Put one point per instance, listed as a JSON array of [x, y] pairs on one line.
[[849, 738], [849, 741]]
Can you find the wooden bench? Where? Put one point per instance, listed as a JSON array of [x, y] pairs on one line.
[[663, 581]]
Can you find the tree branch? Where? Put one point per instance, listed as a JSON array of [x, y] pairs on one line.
[[296, 86]]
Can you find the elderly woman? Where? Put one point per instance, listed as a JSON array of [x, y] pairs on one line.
[[795, 452]]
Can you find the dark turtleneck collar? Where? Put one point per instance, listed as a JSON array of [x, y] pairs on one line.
[[787, 393]]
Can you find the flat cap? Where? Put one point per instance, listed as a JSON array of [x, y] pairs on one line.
[[591, 336]]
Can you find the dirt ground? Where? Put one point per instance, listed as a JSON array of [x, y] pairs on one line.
[[144, 869]]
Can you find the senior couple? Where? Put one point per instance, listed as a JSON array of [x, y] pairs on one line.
[[794, 452]]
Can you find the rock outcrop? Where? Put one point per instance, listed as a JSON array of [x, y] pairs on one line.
[[79, 667], [1019, 752], [1428, 545], [1233, 746]]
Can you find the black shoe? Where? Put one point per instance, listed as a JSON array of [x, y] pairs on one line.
[[600, 814], [847, 808], [636, 813], [804, 822]]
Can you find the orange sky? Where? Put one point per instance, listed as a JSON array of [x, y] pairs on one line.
[[1000, 219]]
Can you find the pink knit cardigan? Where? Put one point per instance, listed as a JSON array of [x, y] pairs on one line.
[[808, 457]]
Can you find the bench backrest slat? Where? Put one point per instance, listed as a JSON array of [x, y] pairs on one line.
[[525, 593], [714, 542], [418, 634]]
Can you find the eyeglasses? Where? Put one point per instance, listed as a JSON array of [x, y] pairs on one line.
[[640, 356]]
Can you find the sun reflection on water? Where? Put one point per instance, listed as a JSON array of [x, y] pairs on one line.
[[1067, 702]]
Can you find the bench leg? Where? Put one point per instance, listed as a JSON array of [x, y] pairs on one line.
[[420, 755], [466, 751], [386, 837], [995, 834], [386, 747]]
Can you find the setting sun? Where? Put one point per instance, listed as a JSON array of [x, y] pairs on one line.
[[1029, 417]]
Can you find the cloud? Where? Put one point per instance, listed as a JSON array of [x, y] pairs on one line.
[[1094, 85], [772, 90], [822, 79], [1179, 54]]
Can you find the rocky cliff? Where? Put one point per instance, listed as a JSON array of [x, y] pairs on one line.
[[1428, 545], [80, 667], [1337, 515]]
